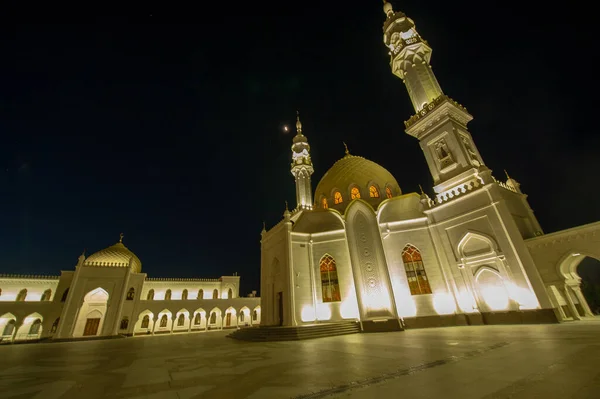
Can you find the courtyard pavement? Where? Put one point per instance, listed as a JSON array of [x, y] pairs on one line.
[[522, 361]]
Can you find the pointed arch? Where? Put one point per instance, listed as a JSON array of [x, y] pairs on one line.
[[98, 294], [337, 198], [168, 295], [200, 293], [373, 191], [164, 319], [354, 193], [330, 287], [35, 327], [22, 295], [230, 293], [184, 295], [131, 294], [145, 321], [415, 271], [388, 192], [46, 295], [475, 244], [150, 296], [215, 294]]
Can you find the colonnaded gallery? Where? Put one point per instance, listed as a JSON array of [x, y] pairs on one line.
[[364, 250], [108, 295]]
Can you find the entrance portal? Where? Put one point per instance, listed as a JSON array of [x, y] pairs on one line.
[[92, 314]]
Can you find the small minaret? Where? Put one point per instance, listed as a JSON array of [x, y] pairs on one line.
[[440, 123], [302, 168]]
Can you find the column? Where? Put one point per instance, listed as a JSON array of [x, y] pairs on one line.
[[569, 300], [190, 316], [586, 308]]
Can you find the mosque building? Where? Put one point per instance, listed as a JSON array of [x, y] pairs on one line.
[[108, 295], [358, 248]]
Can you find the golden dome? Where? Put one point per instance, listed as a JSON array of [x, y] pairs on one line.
[[354, 173], [117, 255]]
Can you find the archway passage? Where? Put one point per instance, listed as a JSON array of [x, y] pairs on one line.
[[589, 272]]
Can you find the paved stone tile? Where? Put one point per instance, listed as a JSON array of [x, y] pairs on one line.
[[460, 362]]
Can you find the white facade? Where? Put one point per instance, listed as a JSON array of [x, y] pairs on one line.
[[108, 295], [364, 251]]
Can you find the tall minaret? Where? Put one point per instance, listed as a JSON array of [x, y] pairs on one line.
[[440, 123], [302, 168]]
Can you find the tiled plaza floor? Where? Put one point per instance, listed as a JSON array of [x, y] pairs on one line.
[[536, 361]]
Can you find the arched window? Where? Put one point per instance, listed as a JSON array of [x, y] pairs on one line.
[[55, 325], [354, 193], [213, 318], [200, 293], [184, 295], [230, 293], [124, 323], [242, 315], [46, 295], [215, 294], [131, 294], [35, 327], [163, 320], [388, 192], [146, 321], [255, 315], [9, 329], [330, 287], [150, 296], [324, 203], [168, 295], [373, 192], [181, 320], [198, 318], [64, 297], [415, 271], [337, 198], [22, 295]]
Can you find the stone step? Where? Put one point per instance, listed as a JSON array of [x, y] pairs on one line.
[[268, 333]]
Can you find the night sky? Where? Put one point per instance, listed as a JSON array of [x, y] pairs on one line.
[[166, 125]]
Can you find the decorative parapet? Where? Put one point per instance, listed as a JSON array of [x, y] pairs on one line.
[[458, 191], [199, 280], [427, 108], [504, 185], [29, 276]]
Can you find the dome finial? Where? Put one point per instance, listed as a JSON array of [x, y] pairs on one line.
[[346, 147], [298, 123], [387, 8], [121, 237], [421, 188], [506, 173]]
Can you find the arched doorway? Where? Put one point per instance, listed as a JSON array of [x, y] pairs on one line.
[[589, 271], [568, 294], [92, 314]]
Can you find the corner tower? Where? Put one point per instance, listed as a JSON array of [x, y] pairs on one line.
[[440, 123], [302, 168]]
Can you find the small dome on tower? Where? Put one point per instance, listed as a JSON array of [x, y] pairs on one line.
[[117, 255]]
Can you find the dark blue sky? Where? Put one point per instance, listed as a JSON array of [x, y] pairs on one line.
[[169, 127]]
